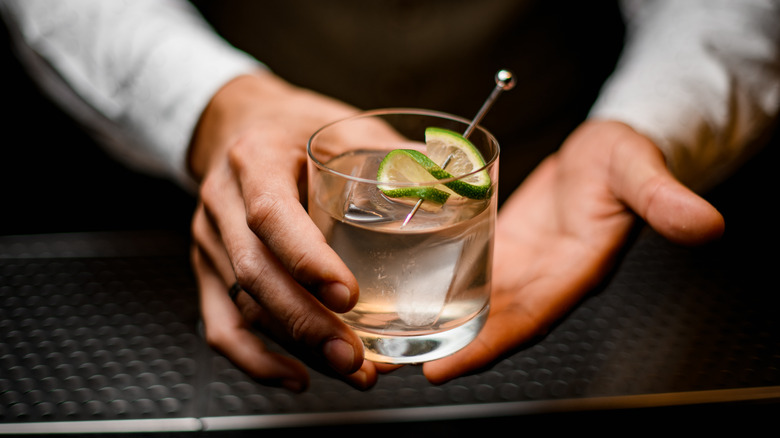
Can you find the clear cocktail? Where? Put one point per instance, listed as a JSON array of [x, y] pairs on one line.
[[425, 285]]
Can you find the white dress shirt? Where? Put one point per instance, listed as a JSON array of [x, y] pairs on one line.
[[699, 77], [137, 73]]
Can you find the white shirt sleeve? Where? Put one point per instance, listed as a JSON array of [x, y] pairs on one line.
[[138, 73], [701, 78]]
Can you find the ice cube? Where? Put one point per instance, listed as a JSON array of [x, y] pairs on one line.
[[363, 202], [404, 271], [422, 291], [358, 208]]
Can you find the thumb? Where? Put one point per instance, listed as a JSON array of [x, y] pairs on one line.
[[646, 185]]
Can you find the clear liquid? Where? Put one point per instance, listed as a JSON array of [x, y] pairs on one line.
[[424, 288]]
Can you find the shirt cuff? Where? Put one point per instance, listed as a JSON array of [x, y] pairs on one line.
[[699, 78]]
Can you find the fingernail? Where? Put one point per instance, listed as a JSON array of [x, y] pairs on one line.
[[336, 296], [340, 355]]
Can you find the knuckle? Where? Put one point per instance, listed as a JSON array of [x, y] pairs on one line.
[[302, 327], [209, 190], [266, 212], [248, 267], [237, 151], [300, 265]]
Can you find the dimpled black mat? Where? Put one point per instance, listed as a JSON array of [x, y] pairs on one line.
[[99, 333]]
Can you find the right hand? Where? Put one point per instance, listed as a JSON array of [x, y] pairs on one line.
[[250, 226], [560, 233]]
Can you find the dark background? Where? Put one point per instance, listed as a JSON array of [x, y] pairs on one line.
[[56, 179]]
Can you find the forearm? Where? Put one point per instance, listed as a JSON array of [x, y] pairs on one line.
[[701, 79], [137, 74]]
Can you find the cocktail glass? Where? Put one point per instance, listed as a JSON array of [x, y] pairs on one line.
[[424, 286]]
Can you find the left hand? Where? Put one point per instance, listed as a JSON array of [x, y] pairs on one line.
[[560, 232], [250, 227]]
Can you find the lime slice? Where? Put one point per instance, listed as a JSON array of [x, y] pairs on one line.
[[440, 143], [408, 165]]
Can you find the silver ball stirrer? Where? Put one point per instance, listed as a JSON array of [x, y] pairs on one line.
[[505, 81]]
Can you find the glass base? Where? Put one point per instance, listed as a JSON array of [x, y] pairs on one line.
[[420, 348]]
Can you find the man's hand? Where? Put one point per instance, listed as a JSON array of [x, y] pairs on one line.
[[249, 154], [559, 234]]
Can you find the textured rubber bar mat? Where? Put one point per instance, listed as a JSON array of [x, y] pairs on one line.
[[99, 333]]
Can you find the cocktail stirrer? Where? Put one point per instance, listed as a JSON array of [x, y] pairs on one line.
[[504, 81]]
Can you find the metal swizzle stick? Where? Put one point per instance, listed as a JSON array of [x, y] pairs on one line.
[[505, 81]]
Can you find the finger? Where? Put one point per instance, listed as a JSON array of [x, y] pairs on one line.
[[227, 332], [646, 185], [274, 213], [289, 311], [363, 378], [208, 241], [243, 347]]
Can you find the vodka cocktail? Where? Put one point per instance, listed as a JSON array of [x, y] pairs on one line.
[[425, 284]]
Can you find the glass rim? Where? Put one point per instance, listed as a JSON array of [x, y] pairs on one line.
[[401, 110]]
